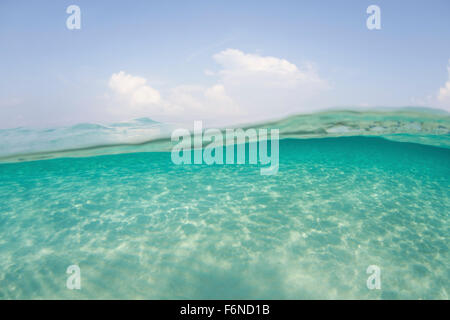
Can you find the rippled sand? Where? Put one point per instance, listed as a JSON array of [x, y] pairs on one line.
[[141, 227]]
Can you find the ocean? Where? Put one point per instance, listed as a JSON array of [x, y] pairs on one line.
[[353, 189]]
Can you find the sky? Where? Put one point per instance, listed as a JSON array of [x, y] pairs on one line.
[[223, 62]]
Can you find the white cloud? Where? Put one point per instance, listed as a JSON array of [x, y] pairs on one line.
[[271, 71], [267, 87], [440, 99], [248, 87], [134, 98], [203, 101], [444, 92], [134, 88], [217, 95], [235, 60]]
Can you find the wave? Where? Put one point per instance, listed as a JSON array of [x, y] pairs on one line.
[[146, 135]]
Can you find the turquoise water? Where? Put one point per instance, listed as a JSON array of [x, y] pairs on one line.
[[141, 227]]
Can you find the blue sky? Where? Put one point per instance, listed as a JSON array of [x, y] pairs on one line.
[[218, 61]]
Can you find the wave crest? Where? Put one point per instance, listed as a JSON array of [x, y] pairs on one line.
[[146, 135]]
